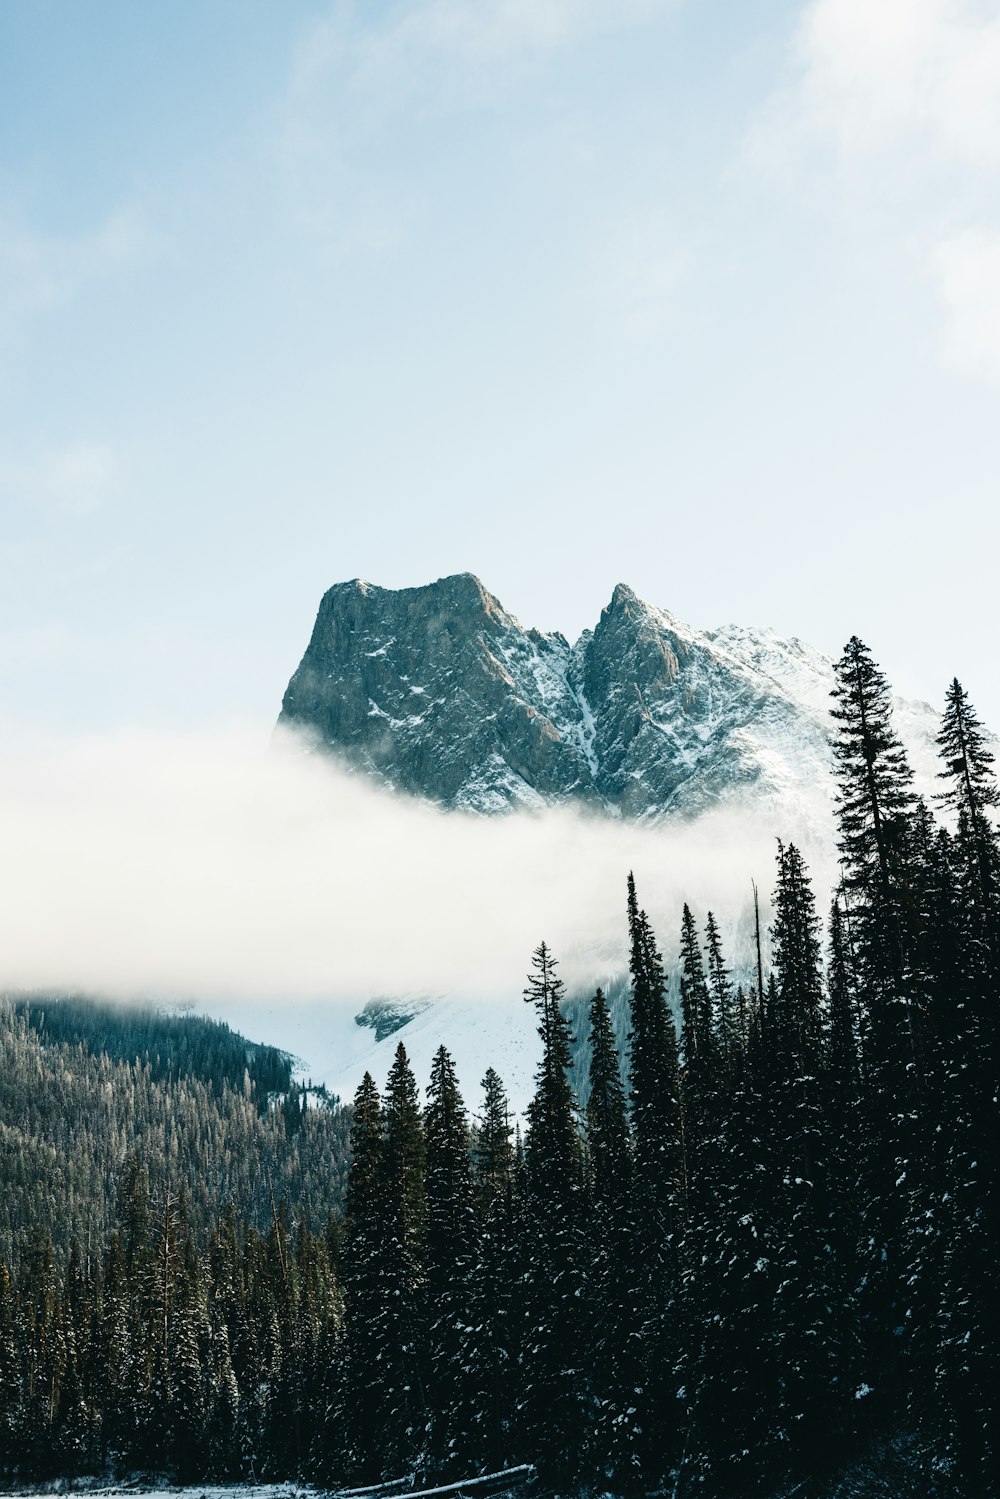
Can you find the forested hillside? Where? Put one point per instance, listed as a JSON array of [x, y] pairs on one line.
[[84, 1087], [766, 1248]]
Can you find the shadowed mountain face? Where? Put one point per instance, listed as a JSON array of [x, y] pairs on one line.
[[438, 691]]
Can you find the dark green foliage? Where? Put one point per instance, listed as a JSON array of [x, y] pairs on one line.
[[971, 792], [813, 1364], [877, 836], [728, 1006], [405, 1153], [727, 1369], [609, 1300], [402, 1349], [609, 1156], [840, 1082], [554, 1155], [971, 782], [551, 1409], [658, 1196], [703, 1061], [696, 1002], [493, 1151], [484, 1418], [874, 778], [655, 1088], [195, 1366], [356, 1426], [450, 1245]]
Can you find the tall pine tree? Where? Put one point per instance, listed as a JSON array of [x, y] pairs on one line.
[[609, 1311], [658, 1189], [876, 807], [553, 1385], [450, 1243]]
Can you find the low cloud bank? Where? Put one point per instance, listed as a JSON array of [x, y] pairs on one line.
[[209, 868]]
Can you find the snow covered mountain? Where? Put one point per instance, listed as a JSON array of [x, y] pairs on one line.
[[438, 691]]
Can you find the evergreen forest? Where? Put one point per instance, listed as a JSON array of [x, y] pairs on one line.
[[762, 1256]]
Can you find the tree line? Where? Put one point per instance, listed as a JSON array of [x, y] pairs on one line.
[[174, 1044], [767, 1245]]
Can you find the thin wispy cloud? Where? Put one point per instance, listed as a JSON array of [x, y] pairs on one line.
[[930, 69], [920, 75], [897, 105]]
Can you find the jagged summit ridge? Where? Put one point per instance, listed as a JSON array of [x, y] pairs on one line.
[[440, 692]]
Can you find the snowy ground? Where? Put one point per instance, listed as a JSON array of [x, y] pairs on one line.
[[335, 1050], [509, 1478], [98, 1490]]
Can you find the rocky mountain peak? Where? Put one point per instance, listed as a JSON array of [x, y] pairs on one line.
[[464, 593], [624, 600], [439, 691]]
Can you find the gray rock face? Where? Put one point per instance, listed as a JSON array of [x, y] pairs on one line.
[[387, 1016], [438, 691]]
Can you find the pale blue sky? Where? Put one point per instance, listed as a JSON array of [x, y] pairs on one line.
[[701, 297]]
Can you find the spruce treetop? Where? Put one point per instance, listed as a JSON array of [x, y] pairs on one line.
[[494, 1153], [367, 1145], [875, 792], [696, 1003], [553, 1145], [969, 774]]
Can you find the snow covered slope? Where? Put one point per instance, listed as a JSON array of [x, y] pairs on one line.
[[331, 1048]]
